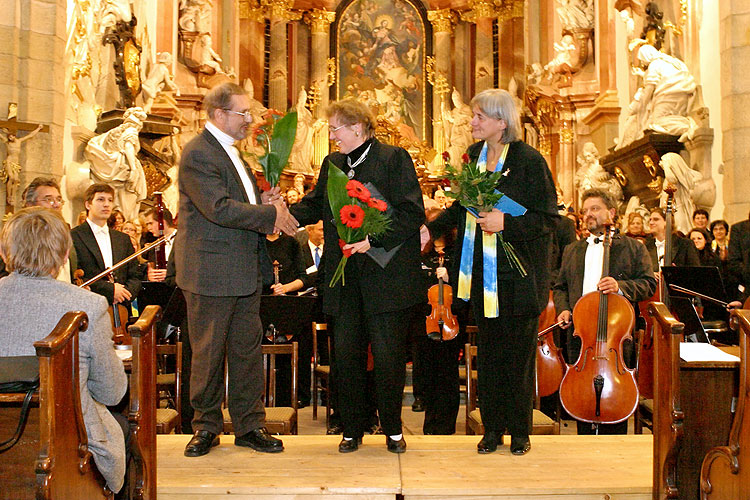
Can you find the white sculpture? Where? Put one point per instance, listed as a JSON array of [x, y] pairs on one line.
[[631, 129], [576, 13], [591, 175], [114, 11], [302, 151], [10, 173], [113, 157], [678, 174], [457, 127], [159, 78], [209, 57], [195, 15], [256, 110], [563, 60]]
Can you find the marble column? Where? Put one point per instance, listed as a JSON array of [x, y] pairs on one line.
[[320, 25], [443, 22], [566, 157], [279, 13], [482, 14], [734, 52]]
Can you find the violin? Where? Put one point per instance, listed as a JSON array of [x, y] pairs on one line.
[[599, 388], [117, 313], [161, 252], [441, 323], [645, 365], [550, 365]]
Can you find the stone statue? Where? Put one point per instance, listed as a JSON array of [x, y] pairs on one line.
[[563, 60], [209, 57], [576, 13], [678, 174], [195, 15], [114, 11], [114, 160], [257, 110], [172, 150], [302, 151], [10, 173], [158, 79], [631, 129], [457, 127], [590, 174]]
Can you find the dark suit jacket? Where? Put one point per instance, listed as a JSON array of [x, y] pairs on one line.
[[91, 261], [564, 235], [308, 260], [528, 182], [221, 241], [396, 287], [629, 264], [684, 252], [739, 258]]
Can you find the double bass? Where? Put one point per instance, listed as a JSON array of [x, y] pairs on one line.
[[599, 388], [441, 324]]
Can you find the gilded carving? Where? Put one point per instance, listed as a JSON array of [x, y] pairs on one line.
[[319, 20], [331, 62], [443, 20], [566, 135]]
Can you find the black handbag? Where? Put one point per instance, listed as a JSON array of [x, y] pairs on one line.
[[19, 374]]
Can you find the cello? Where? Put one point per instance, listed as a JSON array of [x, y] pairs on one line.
[[599, 388], [550, 365], [441, 324]]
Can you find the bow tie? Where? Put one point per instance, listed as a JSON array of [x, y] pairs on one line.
[[595, 240]]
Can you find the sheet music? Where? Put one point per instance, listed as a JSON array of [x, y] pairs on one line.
[[699, 351], [124, 354]]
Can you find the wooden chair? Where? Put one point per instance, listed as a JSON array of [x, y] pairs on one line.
[[471, 336], [142, 414], [667, 415], [321, 373], [725, 473], [541, 423], [279, 419], [168, 419], [65, 467]]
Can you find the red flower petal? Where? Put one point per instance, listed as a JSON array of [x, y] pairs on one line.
[[347, 253], [380, 205], [264, 185], [465, 158], [445, 183], [446, 156], [352, 216], [356, 189]]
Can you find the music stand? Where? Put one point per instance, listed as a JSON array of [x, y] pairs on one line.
[[685, 311], [705, 280], [290, 314]]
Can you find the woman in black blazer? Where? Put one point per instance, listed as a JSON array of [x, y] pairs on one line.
[[506, 343]]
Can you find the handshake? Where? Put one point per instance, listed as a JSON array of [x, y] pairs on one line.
[[285, 221]]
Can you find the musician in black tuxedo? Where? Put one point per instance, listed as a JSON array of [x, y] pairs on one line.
[[218, 254], [373, 306], [507, 321], [99, 247], [630, 274], [683, 252], [739, 259]]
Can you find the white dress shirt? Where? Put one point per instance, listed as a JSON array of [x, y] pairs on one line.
[[227, 142], [169, 242], [592, 272], [659, 251], [101, 233]]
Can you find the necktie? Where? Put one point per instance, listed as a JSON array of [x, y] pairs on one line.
[[316, 256]]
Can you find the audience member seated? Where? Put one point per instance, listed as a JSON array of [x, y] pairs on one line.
[[700, 219], [720, 246], [700, 239], [636, 227], [312, 253], [130, 229], [116, 220], [286, 251], [35, 244], [292, 196]]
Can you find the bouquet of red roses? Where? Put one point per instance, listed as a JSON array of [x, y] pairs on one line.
[[357, 214]]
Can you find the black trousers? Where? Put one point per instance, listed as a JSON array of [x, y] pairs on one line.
[[506, 350], [353, 332], [442, 386]]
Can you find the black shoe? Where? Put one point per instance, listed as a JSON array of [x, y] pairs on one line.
[[302, 404], [335, 429], [349, 445], [520, 445], [260, 440], [417, 405], [489, 442], [201, 443], [395, 446]]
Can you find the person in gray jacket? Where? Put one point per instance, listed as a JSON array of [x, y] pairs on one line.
[[35, 244]]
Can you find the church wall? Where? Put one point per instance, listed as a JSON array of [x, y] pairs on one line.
[[32, 43]]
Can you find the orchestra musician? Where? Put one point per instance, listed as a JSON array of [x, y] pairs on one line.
[[507, 338], [631, 275], [684, 252]]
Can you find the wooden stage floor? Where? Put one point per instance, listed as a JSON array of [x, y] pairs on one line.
[[433, 467]]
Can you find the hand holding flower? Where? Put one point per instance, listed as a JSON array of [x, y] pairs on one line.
[[358, 246], [492, 222], [271, 196]]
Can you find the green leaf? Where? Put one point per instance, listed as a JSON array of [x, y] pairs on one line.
[[284, 132], [337, 196]]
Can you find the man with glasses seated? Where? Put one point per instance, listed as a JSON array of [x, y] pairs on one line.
[[45, 192]]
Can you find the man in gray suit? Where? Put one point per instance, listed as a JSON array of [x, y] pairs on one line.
[[218, 251], [35, 244]]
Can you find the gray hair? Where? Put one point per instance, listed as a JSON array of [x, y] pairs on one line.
[[29, 194], [220, 97], [607, 198], [498, 104], [35, 242]]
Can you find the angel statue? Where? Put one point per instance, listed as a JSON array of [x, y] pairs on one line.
[[302, 150], [158, 79], [10, 174], [457, 126], [591, 174]]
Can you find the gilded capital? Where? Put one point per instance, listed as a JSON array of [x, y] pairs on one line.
[[319, 20], [279, 10], [479, 9], [443, 20]]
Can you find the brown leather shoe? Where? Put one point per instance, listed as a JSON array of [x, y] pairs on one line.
[[260, 440], [201, 443], [489, 442]]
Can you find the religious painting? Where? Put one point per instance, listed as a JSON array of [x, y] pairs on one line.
[[380, 51]]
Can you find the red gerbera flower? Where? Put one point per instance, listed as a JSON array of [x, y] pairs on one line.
[[446, 156], [380, 205], [347, 253], [264, 185], [356, 189], [465, 158], [352, 216]]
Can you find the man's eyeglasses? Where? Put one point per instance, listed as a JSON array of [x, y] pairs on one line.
[[335, 129], [51, 200], [246, 114]]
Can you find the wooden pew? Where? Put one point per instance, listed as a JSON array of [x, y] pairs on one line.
[[725, 473], [142, 415], [667, 418], [65, 467]]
